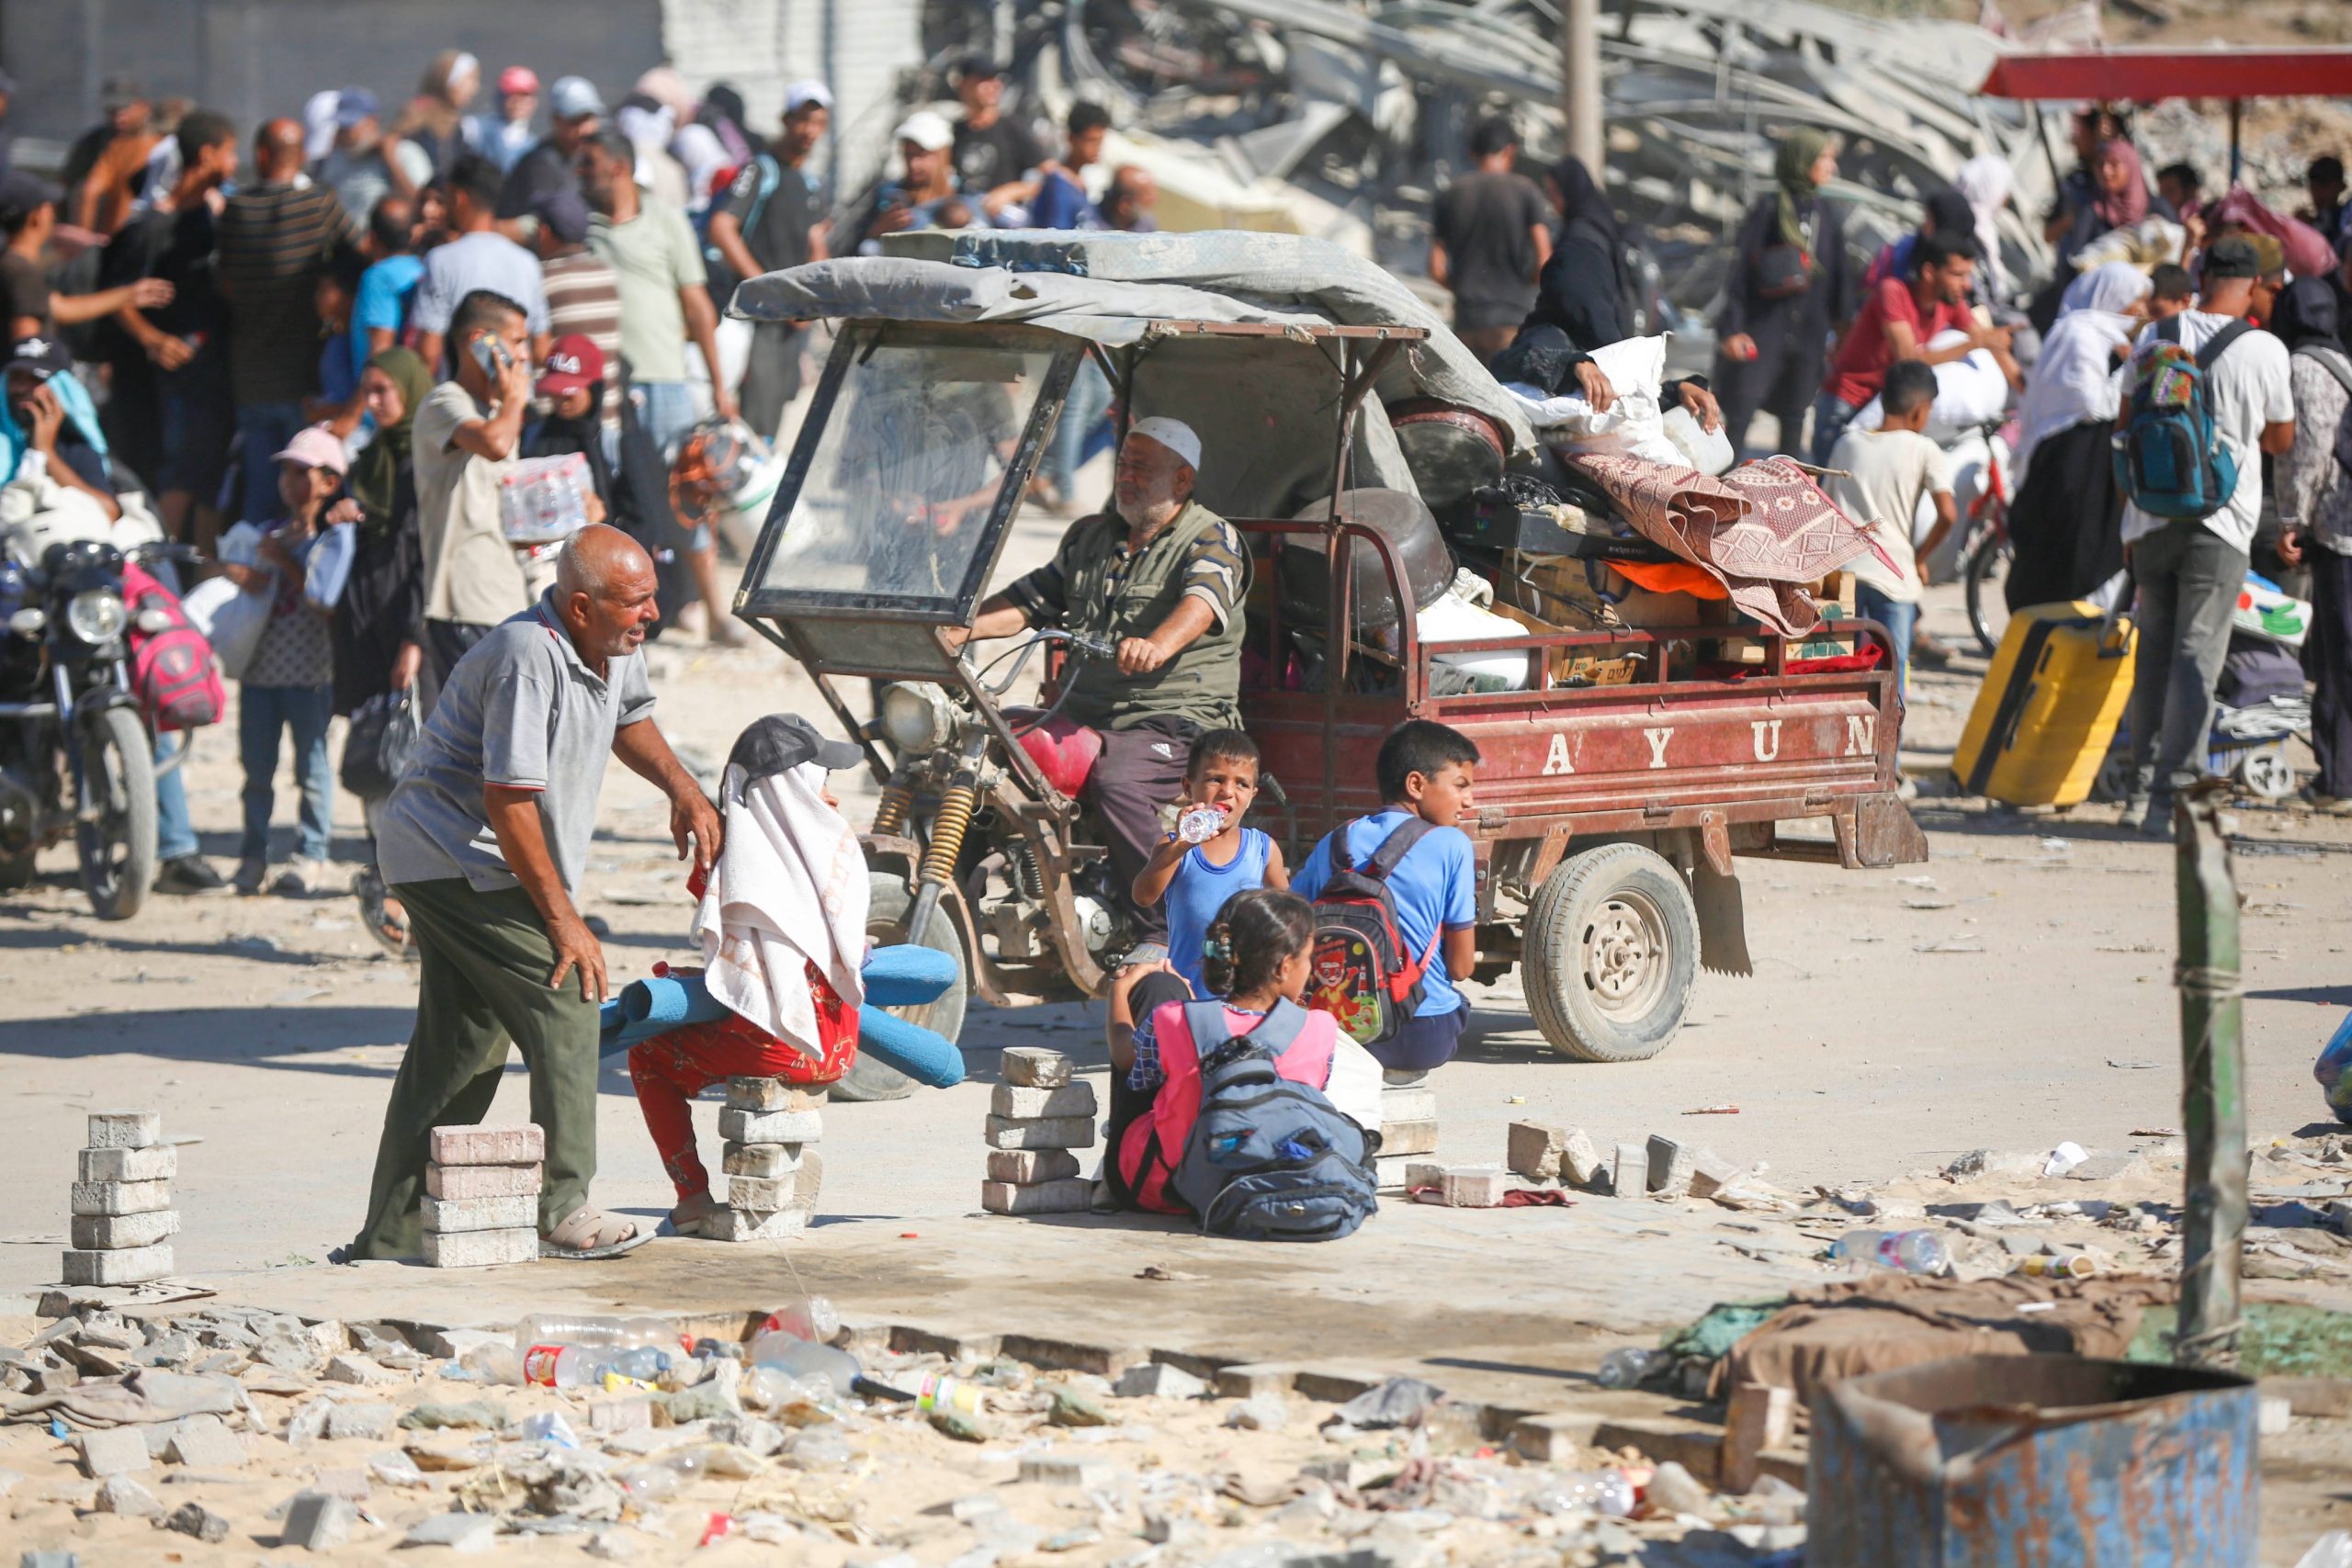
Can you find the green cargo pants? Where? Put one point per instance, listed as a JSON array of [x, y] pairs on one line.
[[486, 959]]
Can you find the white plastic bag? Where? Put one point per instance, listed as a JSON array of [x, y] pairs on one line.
[[1451, 618], [1635, 426], [1970, 391], [231, 619]]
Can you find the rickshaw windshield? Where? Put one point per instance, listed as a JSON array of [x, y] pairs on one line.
[[905, 473]]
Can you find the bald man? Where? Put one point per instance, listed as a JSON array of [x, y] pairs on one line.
[[483, 840], [272, 239]]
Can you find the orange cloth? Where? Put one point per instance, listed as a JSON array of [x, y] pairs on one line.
[[1672, 577]]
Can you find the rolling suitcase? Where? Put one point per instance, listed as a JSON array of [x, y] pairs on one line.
[[2049, 706]]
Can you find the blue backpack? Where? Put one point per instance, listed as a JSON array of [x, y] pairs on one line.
[[2169, 460], [1268, 1159]]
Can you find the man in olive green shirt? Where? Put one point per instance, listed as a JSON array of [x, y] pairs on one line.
[[1161, 577]]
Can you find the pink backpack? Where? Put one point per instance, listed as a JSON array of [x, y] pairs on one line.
[[172, 669]]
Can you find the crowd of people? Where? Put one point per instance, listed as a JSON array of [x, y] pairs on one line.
[[2260, 300]]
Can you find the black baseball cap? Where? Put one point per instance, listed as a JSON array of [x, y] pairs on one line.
[[38, 356], [564, 212], [20, 194], [2232, 255], [781, 741], [978, 68]]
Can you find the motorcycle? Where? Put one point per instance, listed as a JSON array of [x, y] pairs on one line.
[[75, 754]]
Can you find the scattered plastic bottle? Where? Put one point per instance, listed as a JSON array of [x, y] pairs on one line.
[[1624, 1368], [1608, 1493], [642, 1364], [798, 1357], [650, 1482], [1914, 1252], [805, 1317], [939, 1392], [594, 1332], [561, 1366], [772, 1388]]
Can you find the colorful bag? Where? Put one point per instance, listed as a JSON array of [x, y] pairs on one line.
[[2169, 461], [171, 670], [1361, 972]]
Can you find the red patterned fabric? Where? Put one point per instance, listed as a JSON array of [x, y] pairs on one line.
[[1762, 530]]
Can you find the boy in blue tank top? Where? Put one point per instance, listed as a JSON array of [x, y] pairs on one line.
[[1197, 878]]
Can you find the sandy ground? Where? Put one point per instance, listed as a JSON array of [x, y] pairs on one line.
[[2011, 993]]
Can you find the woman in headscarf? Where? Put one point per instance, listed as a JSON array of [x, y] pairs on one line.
[[1791, 285], [2315, 522], [435, 119], [2066, 519], [1985, 182], [1586, 294], [376, 621]]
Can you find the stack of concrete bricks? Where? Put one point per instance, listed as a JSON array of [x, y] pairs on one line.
[[1407, 1133], [122, 1202], [772, 1173], [1037, 1120], [482, 1196]]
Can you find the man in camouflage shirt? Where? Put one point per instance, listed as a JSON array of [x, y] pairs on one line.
[[1162, 578]]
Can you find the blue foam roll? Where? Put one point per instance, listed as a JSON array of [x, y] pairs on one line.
[[654, 1006], [907, 976], [923, 1055]]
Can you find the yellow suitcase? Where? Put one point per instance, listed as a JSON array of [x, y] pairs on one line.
[[2048, 710]]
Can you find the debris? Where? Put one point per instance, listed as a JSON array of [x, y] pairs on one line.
[[1071, 1408], [318, 1522], [458, 1532], [963, 1427], [1158, 1379], [1714, 1110], [195, 1519], [2132, 1065], [1259, 1413], [121, 1495], [1669, 1167], [1063, 1470], [1760, 1416], [2063, 1158], [1396, 1403]]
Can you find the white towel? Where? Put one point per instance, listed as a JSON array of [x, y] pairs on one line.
[[789, 889]]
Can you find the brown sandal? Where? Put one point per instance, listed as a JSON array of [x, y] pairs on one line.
[[587, 1234]]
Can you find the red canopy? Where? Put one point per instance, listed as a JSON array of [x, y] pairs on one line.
[[2144, 76]]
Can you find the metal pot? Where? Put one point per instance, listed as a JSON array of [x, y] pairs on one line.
[[1407, 524]]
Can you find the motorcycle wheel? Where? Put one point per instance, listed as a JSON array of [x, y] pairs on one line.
[[117, 848], [1987, 572], [886, 917]]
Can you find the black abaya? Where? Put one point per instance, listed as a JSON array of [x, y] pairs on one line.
[[2066, 522]]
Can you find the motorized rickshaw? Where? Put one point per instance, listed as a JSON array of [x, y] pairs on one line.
[[1606, 814]]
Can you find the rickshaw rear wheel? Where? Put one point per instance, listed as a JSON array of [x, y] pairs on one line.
[[886, 913], [1612, 954]]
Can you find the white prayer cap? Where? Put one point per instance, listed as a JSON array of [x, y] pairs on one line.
[[807, 91], [1172, 433], [926, 130]]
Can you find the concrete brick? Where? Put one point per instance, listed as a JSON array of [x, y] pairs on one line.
[[1072, 1355], [1050, 1132], [737, 1225], [480, 1250], [1631, 1170], [205, 1442], [1476, 1187], [1533, 1149], [121, 1495], [1390, 1172], [123, 1265], [119, 1450], [465, 1534], [361, 1372], [913, 1339], [458, 1183], [1158, 1379], [1697, 1449], [2274, 1417], [126, 1129], [1072, 1196], [1033, 1066], [1409, 1137], [1420, 1173], [121, 1197], [111, 1232], [769, 1094], [525, 1145], [450, 1215], [1407, 1105], [1670, 1165], [370, 1421], [160, 1162], [1250, 1379], [739, 1126], [767, 1195], [318, 1522], [1580, 1161], [1710, 1174], [1760, 1417], [1024, 1103], [766, 1161], [1067, 1470], [1554, 1438], [1030, 1166]]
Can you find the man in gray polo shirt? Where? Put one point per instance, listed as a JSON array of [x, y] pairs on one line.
[[483, 841]]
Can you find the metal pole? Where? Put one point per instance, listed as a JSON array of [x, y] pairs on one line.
[[2213, 1095], [1581, 81], [2237, 154]]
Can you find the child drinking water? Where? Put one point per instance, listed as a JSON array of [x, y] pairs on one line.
[[1198, 878]]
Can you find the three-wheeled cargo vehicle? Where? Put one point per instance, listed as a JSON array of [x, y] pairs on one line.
[[1607, 815]]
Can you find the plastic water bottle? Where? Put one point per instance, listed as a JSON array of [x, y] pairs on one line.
[[594, 1332], [1624, 1368], [772, 1388], [804, 1318], [1201, 824], [1608, 1493], [642, 1364], [1914, 1252], [560, 1366], [796, 1357]]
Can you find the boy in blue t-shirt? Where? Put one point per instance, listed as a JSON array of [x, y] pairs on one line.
[[1196, 879], [1425, 770]]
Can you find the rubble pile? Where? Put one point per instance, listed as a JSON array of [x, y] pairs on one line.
[[238, 1428]]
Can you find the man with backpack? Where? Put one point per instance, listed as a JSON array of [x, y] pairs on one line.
[[2206, 396], [1397, 908]]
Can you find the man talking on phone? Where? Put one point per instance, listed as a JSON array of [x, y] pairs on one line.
[[468, 433]]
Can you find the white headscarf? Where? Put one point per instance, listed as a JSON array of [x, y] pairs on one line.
[[2074, 382], [1985, 182], [318, 124], [2112, 288]]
